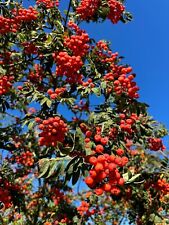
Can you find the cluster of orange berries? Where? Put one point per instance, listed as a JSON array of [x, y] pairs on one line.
[[156, 144], [26, 158], [123, 83], [68, 66], [48, 3], [56, 93], [83, 209], [37, 75], [127, 122], [25, 15], [103, 53], [87, 8], [116, 10], [88, 83], [5, 84], [18, 16], [104, 175], [53, 131], [101, 45], [162, 185], [77, 43], [97, 138]]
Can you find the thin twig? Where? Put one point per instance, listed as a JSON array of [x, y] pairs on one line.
[[67, 14]]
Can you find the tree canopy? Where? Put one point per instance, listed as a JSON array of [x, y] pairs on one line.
[[76, 144]]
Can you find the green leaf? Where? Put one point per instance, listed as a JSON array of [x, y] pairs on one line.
[[59, 26], [96, 91], [52, 168], [133, 178], [75, 176], [127, 176], [155, 219], [43, 101], [2, 71], [35, 96], [49, 103], [48, 41], [44, 167], [71, 162], [103, 85], [31, 124], [80, 137]]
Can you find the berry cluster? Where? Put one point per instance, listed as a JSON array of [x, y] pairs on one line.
[[104, 175], [116, 10], [77, 43], [99, 138], [156, 144], [18, 16], [8, 25], [87, 8], [26, 158], [101, 45], [56, 93], [68, 66], [83, 209], [25, 15], [123, 83], [5, 197], [103, 54], [53, 131], [29, 48], [5, 84], [127, 122], [162, 185], [36, 75], [113, 133], [48, 3], [5, 192], [88, 83]]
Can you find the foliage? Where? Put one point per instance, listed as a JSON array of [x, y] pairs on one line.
[[77, 145]]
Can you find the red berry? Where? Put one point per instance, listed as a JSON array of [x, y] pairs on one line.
[[99, 148]]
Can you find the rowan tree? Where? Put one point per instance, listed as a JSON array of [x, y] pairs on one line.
[[77, 145]]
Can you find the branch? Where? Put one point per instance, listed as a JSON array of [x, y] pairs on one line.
[[67, 14]]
